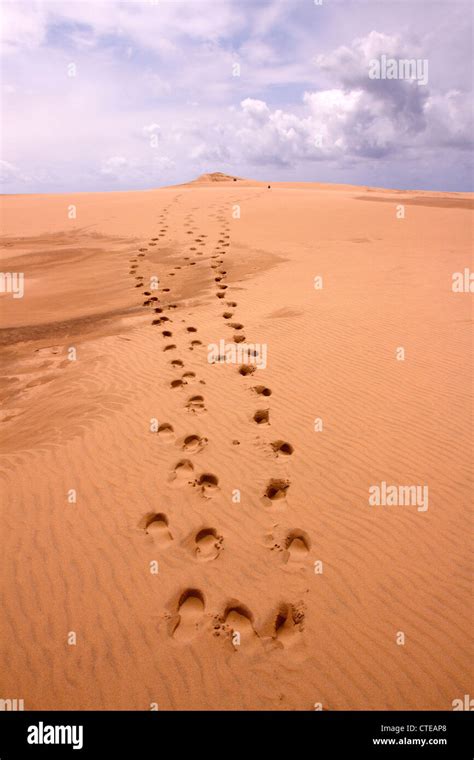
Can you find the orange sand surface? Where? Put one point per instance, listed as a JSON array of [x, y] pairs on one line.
[[204, 529]]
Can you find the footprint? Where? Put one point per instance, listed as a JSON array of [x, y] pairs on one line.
[[191, 608], [282, 448], [182, 472], [239, 619], [208, 544], [262, 390], [262, 416], [177, 363], [195, 404], [288, 624], [239, 338], [298, 545], [192, 443], [209, 485], [276, 489], [185, 380], [169, 347], [48, 350], [247, 369], [166, 431], [236, 325], [156, 526]]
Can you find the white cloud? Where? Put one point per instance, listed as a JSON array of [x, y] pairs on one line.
[[25, 24], [115, 166], [449, 119], [22, 27], [9, 172], [151, 129], [257, 110]]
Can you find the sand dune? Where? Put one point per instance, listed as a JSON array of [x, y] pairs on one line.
[[210, 545]]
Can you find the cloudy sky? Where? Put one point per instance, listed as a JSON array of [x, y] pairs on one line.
[[109, 95]]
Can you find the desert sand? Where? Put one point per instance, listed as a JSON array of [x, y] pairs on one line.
[[180, 534]]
